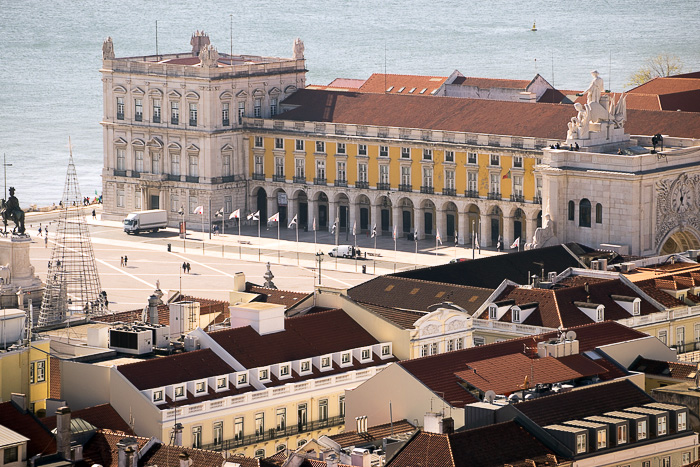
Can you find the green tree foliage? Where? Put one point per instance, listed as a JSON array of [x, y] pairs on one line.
[[659, 66]]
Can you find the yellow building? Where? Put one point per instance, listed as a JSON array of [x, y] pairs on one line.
[[25, 370]]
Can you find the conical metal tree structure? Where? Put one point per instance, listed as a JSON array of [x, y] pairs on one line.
[[72, 283]]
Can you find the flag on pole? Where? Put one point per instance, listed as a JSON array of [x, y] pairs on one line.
[[254, 216], [293, 222], [507, 175], [394, 233], [456, 237], [199, 210], [235, 214], [476, 241], [274, 218], [334, 226], [314, 225], [438, 238], [374, 230], [354, 228], [219, 213], [516, 243], [415, 236]]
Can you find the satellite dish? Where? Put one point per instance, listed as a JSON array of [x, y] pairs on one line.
[[490, 396], [571, 335]]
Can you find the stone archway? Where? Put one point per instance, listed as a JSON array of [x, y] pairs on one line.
[[680, 241]]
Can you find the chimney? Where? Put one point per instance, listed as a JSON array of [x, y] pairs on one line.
[[185, 460], [177, 434], [20, 401], [361, 424], [153, 309], [63, 433], [239, 282], [361, 458], [127, 452], [433, 423]]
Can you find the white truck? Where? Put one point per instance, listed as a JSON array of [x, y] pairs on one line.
[[142, 221], [345, 251]]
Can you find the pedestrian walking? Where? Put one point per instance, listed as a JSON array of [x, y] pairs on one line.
[[184, 267], [40, 229], [46, 242], [94, 215], [46, 230], [121, 261], [125, 260], [189, 268]]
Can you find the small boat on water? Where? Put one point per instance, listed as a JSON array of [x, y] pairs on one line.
[[534, 26]]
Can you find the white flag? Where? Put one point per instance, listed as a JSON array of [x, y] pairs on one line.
[[394, 233], [199, 210], [438, 238], [334, 226], [476, 242], [374, 230], [313, 227], [293, 222], [274, 218], [219, 213], [516, 243], [254, 216], [354, 228], [235, 214]]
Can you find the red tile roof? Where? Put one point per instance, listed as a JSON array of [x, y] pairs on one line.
[[374, 433], [41, 441], [304, 336], [188, 366], [206, 306], [349, 83], [280, 297], [425, 450], [102, 449], [101, 416], [489, 83], [669, 85], [675, 370], [380, 83]]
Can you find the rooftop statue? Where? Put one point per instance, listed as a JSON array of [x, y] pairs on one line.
[[298, 49], [10, 210], [108, 49], [596, 88], [209, 56]]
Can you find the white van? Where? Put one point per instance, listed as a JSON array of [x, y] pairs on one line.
[[142, 221], [345, 251]]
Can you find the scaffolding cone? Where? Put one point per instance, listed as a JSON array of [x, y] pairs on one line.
[[72, 283]]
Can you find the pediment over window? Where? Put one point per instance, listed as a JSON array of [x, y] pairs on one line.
[[119, 89], [137, 92], [225, 95], [174, 146], [155, 143], [192, 96], [290, 89], [275, 91], [174, 95], [241, 94], [155, 93], [120, 141], [192, 148], [138, 142], [258, 93], [227, 147]]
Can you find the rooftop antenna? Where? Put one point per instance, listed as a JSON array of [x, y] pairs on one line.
[[490, 396], [553, 69], [157, 56], [384, 66], [231, 16], [5, 165]]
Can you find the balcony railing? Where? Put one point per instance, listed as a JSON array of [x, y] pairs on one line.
[[173, 178], [119, 173], [537, 200], [274, 433], [138, 117], [427, 189], [193, 122], [301, 179], [517, 198], [471, 193], [156, 119], [279, 178], [494, 195], [403, 187], [383, 186], [319, 181], [343, 183], [191, 179], [120, 116], [361, 184], [225, 122], [449, 191], [258, 176], [174, 121], [135, 174]]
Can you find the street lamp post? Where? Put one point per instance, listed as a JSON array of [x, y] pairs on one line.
[[183, 229], [319, 258]]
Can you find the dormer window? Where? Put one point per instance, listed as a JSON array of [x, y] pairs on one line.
[[345, 358], [386, 351], [493, 311], [179, 391], [220, 383], [284, 370], [600, 314], [305, 365], [602, 439], [660, 426], [636, 306], [516, 314], [682, 421], [200, 387], [325, 362], [621, 434], [242, 379], [580, 443], [264, 374], [158, 395], [365, 354], [641, 430]]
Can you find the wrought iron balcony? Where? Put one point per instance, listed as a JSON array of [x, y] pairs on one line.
[[120, 116], [319, 181], [279, 178], [135, 174], [517, 198], [494, 195], [361, 184], [193, 122], [119, 173], [471, 193], [174, 121], [300, 179], [226, 122], [156, 119], [173, 178], [403, 187], [537, 200], [138, 117], [427, 189], [449, 191], [383, 186], [343, 183], [191, 179], [274, 433], [258, 176]]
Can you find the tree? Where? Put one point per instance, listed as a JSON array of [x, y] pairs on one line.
[[660, 66]]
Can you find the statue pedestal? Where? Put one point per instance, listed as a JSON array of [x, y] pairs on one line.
[[17, 271]]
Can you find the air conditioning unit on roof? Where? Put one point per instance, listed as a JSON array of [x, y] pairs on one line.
[[595, 265], [627, 267]]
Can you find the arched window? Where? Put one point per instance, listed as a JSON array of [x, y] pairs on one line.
[[260, 453], [598, 213], [584, 213], [571, 210]]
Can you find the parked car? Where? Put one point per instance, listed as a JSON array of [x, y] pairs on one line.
[[345, 251], [458, 260]]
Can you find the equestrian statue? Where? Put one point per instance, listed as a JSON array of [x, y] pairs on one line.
[[10, 210]]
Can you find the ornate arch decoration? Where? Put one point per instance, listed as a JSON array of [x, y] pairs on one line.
[[192, 96], [137, 91], [225, 95], [155, 142], [275, 91], [226, 147], [258, 92], [193, 148], [119, 89], [138, 142], [241, 93], [155, 93], [120, 141], [290, 89], [174, 94], [174, 146]]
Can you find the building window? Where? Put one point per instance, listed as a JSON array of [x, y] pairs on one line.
[[459, 343], [538, 188], [174, 113], [301, 442], [472, 178], [157, 396], [682, 421], [641, 430], [218, 430], [646, 463], [226, 167], [680, 338], [518, 162], [424, 350], [137, 200], [450, 179], [321, 169], [120, 198], [323, 409], [10, 455], [200, 387], [301, 417], [602, 438], [434, 348], [259, 453], [598, 213], [600, 314], [362, 149], [257, 108], [155, 162], [427, 176], [305, 365], [242, 378], [241, 112], [493, 311], [570, 215], [495, 160], [517, 185], [661, 426], [383, 151], [516, 314], [365, 354], [259, 423], [621, 434], [225, 114], [471, 158], [325, 362], [238, 428], [138, 110], [449, 156], [386, 351], [179, 391], [405, 153], [341, 405], [666, 461], [121, 159], [31, 373], [156, 110], [580, 443], [427, 154], [273, 106], [450, 346], [139, 160], [220, 383], [406, 175], [279, 143], [341, 148], [362, 172], [341, 177], [258, 142], [345, 358], [584, 213], [174, 207], [193, 203], [495, 183], [197, 437], [299, 171], [284, 370], [194, 166], [685, 458], [120, 108], [478, 341], [663, 336], [384, 174], [174, 163], [281, 419], [299, 145], [259, 165], [320, 146]]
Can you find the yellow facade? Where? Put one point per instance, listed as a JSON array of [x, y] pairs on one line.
[[26, 371]]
